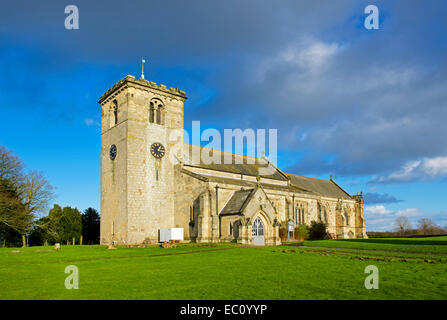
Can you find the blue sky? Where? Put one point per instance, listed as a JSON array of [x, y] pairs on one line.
[[368, 106]]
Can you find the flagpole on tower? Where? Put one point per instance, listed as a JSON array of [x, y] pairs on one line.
[[142, 68]]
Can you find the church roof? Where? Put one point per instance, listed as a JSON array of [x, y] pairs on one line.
[[246, 183], [326, 188], [240, 164], [302, 184], [237, 202]]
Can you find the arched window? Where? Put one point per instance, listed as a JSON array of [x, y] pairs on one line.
[[302, 214], [156, 112], [151, 112], [115, 112], [296, 216], [347, 218], [325, 220], [257, 228], [158, 117]]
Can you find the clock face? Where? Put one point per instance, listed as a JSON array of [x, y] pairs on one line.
[[112, 152], [157, 150]]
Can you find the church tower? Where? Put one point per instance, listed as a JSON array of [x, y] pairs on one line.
[[141, 140]]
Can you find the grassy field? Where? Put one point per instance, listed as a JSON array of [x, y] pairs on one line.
[[435, 245], [229, 272]]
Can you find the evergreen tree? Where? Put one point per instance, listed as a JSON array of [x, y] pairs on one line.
[[90, 226], [63, 224]]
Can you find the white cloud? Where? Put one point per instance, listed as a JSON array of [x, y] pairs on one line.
[[379, 218], [90, 122], [435, 166], [309, 54], [409, 212], [377, 210], [418, 170]]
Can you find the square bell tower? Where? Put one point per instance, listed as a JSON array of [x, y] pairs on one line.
[[141, 140]]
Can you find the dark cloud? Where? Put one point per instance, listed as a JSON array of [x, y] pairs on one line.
[[350, 101], [379, 198], [196, 30]]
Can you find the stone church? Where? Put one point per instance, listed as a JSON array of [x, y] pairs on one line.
[[150, 182]]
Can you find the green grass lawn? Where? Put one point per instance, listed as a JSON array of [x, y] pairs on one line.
[[221, 272], [435, 245]]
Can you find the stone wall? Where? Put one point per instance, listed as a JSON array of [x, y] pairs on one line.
[[136, 188], [141, 194]]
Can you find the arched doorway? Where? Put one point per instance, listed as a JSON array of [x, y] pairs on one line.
[[257, 233]]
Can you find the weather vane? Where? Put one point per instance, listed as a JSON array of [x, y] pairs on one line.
[[142, 68]]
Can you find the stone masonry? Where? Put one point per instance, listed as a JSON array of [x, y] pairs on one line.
[[141, 193]]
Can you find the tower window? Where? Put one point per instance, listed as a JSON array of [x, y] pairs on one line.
[[115, 112], [151, 113], [156, 112], [158, 119]]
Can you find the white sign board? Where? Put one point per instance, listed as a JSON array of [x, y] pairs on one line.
[[291, 226], [167, 234]]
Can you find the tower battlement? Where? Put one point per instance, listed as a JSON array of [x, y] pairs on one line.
[[129, 79]]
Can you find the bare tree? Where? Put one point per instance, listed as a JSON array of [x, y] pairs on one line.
[[35, 192], [10, 166], [402, 225], [427, 226], [22, 195]]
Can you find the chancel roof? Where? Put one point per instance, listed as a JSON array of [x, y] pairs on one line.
[[326, 188]]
